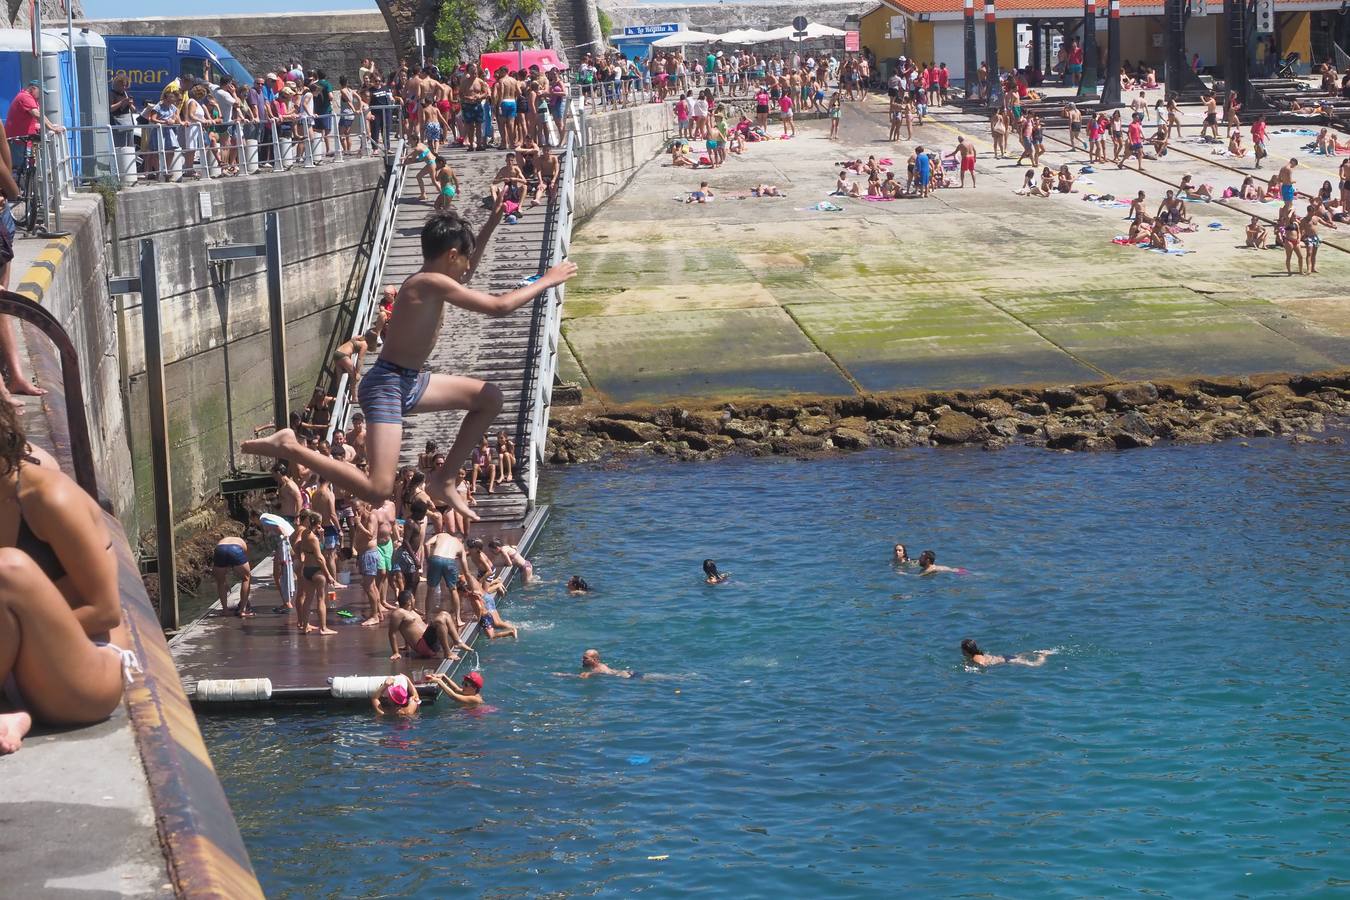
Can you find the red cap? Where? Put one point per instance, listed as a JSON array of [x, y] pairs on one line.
[[475, 679]]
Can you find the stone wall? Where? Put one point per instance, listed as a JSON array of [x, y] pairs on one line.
[[719, 17], [333, 41], [618, 144], [78, 297], [323, 213]]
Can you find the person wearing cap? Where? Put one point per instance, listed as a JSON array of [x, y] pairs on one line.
[[397, 696], [470, 693], [21, 123]]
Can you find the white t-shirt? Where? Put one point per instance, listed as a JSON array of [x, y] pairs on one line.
[[227, 102], [700, 107], [277, 522]]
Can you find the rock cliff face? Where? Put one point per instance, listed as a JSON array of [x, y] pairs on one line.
[[562, 25], [719, 17], [52, 13]]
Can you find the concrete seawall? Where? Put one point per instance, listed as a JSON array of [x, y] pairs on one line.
[[618, 143], [215, 350], [70, 280], [333, 41]]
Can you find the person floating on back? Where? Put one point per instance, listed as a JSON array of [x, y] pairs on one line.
[[397, 384]]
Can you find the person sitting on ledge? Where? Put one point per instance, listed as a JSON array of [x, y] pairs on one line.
[[427, 639], [60, 612], [974, 654]]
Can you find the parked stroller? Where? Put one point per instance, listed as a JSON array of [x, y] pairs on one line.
[[1286, 66]]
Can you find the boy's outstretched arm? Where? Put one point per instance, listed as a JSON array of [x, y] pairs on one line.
[[504, 304]]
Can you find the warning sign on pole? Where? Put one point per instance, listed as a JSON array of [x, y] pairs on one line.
[[851, 41], [518, 31]]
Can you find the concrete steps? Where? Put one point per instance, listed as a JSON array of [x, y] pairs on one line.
[[492, 350]]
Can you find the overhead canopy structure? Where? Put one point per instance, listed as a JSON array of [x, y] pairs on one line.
[[788, 33], [742, 36], [814, 30], [682, 38]]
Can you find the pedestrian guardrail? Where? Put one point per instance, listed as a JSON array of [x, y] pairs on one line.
[[371, 284], [547, 335]]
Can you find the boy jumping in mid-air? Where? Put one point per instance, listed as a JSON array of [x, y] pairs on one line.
[[397, 385]]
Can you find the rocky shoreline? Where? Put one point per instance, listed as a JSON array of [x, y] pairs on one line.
[[1118, 416]]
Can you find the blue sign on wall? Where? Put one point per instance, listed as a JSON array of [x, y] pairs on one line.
[[665, 28]]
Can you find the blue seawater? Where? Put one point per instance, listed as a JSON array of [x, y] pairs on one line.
[[809, 728]]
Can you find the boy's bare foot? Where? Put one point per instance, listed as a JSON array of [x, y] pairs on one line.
[[22, 386], [274, 445], [441, 490], [327, 631], [13, 726], [371, 622]]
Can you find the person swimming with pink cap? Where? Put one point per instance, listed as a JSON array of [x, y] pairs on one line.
[[469, 694], [397, 696]]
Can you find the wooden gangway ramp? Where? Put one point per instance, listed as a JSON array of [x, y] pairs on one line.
[[220, 649]]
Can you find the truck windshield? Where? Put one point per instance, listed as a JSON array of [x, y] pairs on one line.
[[214, 69]]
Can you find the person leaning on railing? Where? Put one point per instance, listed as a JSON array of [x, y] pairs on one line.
[[60, 609], [121, 112], [21, 124]]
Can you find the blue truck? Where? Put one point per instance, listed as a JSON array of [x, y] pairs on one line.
[[150, 62]]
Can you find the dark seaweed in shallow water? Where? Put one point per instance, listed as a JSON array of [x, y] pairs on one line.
[[1121, 416]]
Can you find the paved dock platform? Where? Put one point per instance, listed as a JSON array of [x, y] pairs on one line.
[[221, 646], [756, 297]]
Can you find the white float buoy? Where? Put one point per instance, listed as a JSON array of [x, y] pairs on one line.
[[217, 690]]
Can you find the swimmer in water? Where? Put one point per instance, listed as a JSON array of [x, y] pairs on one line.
[[711, 575], [977, 656], [928, 564], [397, 697], [469, 694], [591, 664], [902, 556], [577, 585]]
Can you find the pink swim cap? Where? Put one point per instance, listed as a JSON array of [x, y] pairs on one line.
[[399, 694]]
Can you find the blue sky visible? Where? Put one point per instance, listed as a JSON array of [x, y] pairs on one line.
[[117, 9]]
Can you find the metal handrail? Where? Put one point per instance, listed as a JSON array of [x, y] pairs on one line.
[[81, 451], [106, 163], [371, 284], [544, 340]]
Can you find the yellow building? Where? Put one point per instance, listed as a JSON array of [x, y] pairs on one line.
[[934, 30]]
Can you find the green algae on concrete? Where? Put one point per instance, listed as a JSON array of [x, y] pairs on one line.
[[973, 288], [702, 353]]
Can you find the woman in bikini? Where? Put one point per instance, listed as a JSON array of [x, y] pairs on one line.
[[447, 184], [998, 129], [421, 153], [484, 466], [60, 614], [506, 457], [315, 575]]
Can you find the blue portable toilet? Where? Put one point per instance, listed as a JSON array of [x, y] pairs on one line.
[[96, 145]]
